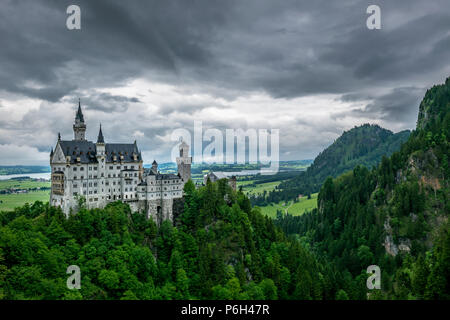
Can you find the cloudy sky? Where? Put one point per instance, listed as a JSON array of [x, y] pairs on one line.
[[145, 68]]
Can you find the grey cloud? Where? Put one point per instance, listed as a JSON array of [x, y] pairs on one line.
[[399, 105], [106, 102], [226, 49]]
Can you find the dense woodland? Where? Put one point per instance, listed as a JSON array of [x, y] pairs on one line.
[[363, 145], [221, 248], [406, 200]]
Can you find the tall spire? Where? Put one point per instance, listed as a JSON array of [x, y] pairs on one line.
[[100, 138], [79, 127], [79, 115]]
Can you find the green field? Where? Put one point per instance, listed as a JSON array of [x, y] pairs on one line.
[[23, 184], [10, 201], [295, 209], [249, 187]]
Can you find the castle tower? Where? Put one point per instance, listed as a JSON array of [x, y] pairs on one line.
[[155, 167], [184, 162], [79, 127], [101, 173]]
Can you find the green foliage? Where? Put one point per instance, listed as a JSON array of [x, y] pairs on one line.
[[219, 248], [403, 201]]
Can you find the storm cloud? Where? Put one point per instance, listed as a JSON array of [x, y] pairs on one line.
[[144, 68]]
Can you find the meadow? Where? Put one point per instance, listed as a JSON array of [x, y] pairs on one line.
[[10, 201], [293, 208]]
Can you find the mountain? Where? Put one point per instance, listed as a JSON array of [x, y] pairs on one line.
[[394, 216], [363, 145]]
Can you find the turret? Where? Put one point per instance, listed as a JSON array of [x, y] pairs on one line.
[[155, 167], [184, 162], [79, 127], [100, 145]]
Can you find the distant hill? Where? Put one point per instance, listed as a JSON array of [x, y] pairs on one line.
[[364, 145], [5, 170]]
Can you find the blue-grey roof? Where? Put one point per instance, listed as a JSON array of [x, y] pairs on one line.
[[100, 138], [79, 115], [167, 176], [87, 151]]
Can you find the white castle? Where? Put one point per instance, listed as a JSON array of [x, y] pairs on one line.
[[106, 172]]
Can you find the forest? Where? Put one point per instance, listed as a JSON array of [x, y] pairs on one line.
[[395, 215], [219, 248]]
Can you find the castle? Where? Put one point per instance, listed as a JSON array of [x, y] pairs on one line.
[[105, 172]]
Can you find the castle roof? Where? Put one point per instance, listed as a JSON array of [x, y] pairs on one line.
[[161, 176], [100, 138], [87, 151], [79, 115], [167, 176]]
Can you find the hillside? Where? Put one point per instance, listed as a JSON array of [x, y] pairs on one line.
[[395, 215], [219, 248], [364, 145]]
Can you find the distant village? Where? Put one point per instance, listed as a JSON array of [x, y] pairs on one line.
[[16, 190]]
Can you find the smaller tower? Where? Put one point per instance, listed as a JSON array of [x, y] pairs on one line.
[[155, 167], [184, 162], [79, 127], [101, 159], [100, 143]]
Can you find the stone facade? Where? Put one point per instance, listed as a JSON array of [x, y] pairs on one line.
[[215, 176], [105, 172]]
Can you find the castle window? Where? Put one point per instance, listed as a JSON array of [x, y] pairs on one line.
[[82, 169], [82, 177], [75, 169], [74, 177], [118, 167], [111, 167]]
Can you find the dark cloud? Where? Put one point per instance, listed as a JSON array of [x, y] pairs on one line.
[[399, 105], [226, 50], [106, 102]]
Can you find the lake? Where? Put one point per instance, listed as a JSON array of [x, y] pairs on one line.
[[44, 175]]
